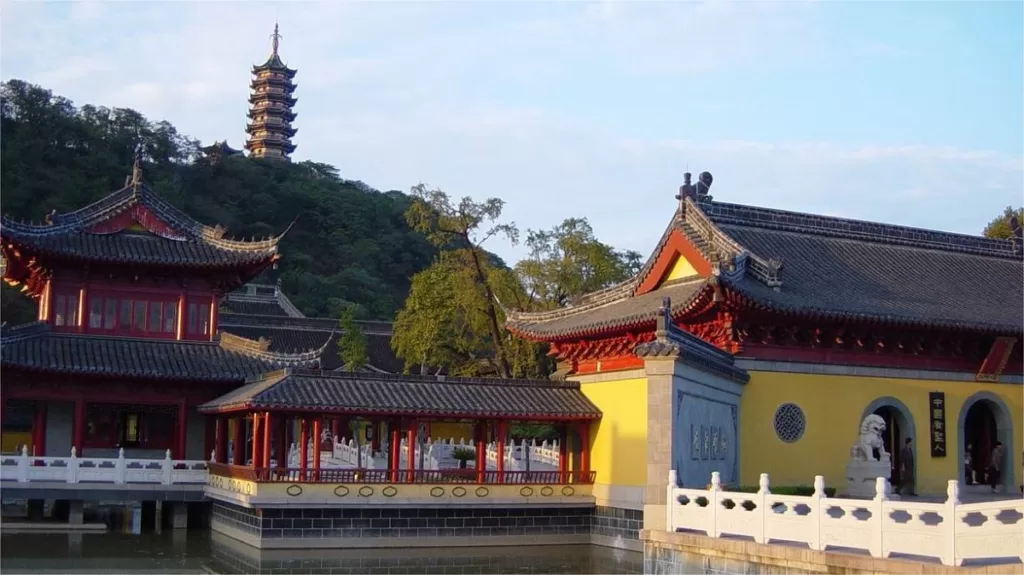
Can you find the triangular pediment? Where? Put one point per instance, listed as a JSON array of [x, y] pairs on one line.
[[137, 218], [677, 259]]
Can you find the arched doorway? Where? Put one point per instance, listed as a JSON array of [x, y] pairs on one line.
[[899, 425], [984, 419]]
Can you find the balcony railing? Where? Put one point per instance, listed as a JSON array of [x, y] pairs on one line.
[[420, 476]]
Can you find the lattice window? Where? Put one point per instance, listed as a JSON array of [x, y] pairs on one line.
[[790, 422]]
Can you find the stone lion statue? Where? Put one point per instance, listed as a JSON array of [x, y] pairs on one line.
[[870, 439]]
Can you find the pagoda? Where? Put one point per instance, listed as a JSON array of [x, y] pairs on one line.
[[270, 107], [126, 344]]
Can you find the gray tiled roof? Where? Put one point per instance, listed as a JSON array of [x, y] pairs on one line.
[[35, 347], [825, 267], [412, 395], [287, 334], [195, 245]]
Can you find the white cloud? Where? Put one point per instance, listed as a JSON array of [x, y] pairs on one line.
[[455, 94]]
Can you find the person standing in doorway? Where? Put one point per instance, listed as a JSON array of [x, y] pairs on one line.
[[907, 468], [995, 466]]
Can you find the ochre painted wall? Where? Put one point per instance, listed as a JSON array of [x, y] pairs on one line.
[[833, 406], [681, 268], [451, 430], [618, 442]]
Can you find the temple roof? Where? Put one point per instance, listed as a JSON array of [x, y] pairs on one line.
[[35, 347], [806, 265], [425, 396], [286, 334], [135, 226]]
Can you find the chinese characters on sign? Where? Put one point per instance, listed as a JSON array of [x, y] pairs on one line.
[[937, 409]]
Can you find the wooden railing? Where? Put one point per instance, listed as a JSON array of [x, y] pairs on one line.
[[421, 476]]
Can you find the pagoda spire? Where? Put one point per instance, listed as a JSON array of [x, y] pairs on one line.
[[276, 40], [270, 112]]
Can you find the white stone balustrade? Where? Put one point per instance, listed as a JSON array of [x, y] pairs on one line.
[[951, 531], [24, 468]]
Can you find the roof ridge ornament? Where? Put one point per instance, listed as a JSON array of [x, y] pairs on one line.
[[698, 191], [136, 177], [275, 40]]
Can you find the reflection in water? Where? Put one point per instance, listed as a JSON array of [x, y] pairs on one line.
[[202, 552]]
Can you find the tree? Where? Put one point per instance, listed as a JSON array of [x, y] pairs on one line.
[[567, 262], [1000, 227], [351, 342], [462, 229]]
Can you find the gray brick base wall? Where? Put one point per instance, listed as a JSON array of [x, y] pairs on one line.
[[617, 522], [437, 522]]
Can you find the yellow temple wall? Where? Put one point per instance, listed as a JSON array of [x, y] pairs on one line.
[[451, 430], [618, 441], [834, 407]]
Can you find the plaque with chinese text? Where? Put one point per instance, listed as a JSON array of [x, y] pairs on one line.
[[937, 411]]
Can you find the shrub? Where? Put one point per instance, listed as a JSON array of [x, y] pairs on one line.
[[802, 490]]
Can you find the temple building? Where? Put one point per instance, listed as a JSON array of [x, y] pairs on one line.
[[127, 344], [827, 320], [270, 107]]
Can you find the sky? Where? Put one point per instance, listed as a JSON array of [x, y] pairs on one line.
[[901, 112]]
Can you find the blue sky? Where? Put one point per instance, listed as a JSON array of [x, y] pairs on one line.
[[903, 112]]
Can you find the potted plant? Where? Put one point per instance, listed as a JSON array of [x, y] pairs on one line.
[[463, 454]]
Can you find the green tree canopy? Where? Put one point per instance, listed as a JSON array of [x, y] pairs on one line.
[[350, 245], [1000, 227], [351, 342]]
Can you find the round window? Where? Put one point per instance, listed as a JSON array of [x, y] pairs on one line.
[[790, 422]]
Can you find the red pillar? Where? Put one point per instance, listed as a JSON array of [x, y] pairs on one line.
[[480, 439], [282, 443], [182, 429], [303, 441], [39, 430], [584, 431], [222, 439], [502, 432], [238, 441], [257, 452], [79, 426], [316, 447], [394, 451], [268, 440], [410, 439], [563, 454]]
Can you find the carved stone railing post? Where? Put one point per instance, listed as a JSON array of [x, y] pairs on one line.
[[72, 468], [716, 487], [671, 499], [168, 468], [818, 510], [23, 463], [949, 523], [763, 491], [119, 466], [875, 544]]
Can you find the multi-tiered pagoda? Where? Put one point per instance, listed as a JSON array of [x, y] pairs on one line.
[[270, 107]]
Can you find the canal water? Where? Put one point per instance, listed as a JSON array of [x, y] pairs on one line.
[[200, 551]]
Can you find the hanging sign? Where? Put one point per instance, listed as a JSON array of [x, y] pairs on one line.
[[937, 411]]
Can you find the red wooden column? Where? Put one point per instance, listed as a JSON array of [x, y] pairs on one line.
[[303, 441], [282, 443], [39, 430], [316, 447], [79, 426], [257, 451], [238, 441], [410, 439], [584, 431], [502, 432], [480, 440], [222, 439], [394, 452], [563, 454], [267, 442], [182, 428]]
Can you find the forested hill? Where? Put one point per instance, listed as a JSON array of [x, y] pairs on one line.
[[350, 243]]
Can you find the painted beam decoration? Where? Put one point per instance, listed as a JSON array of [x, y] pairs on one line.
[[937, 409], [996, 359]]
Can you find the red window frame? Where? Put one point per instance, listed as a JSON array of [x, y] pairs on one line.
[[65, 309], [129, 314]]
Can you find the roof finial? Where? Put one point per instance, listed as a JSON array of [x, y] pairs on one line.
[[276, 37], [687, 190], [136, 173]]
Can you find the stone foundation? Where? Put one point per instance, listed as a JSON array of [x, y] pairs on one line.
[[294, 528]]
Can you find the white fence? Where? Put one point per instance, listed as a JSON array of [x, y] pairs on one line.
[[436, 454], [951, 531], [25, 468]]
